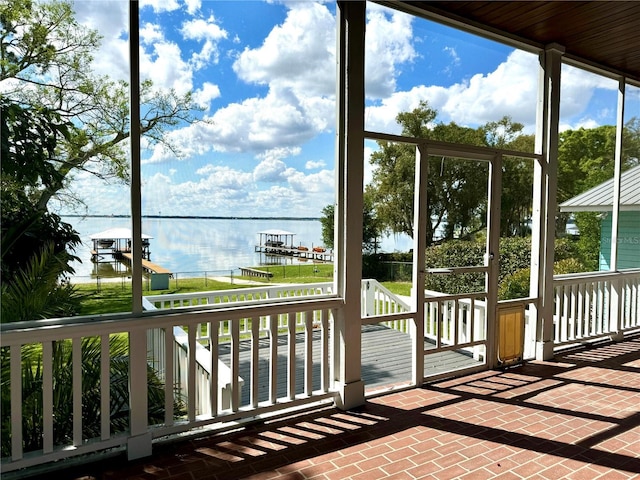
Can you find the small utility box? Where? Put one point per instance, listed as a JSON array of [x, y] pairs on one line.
[[160, 281], [510, 334]]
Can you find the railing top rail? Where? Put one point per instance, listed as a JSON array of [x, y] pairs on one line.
[[454, 270], [431, 295], [58, 328], [599, 276], [239, 291], [20, 333], [512, 302]]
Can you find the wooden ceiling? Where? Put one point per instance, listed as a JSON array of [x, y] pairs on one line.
[[604, 33]]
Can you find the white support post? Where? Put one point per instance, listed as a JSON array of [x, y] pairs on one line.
[[420, 219], [139, 443], [493, 259], [350, 164], [615, 311], [538, 210], [545, 197], [136, 182]]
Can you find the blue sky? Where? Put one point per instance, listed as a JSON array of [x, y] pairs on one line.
[[264, 73]]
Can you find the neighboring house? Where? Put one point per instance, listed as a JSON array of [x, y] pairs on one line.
[[600, 199]]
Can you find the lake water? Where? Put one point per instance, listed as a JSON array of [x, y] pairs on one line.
[[191, 247]]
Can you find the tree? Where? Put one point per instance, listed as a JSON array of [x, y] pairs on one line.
[[585, 159], [327, 221], [503, 133], [456, 189], [631, 143], [59, 118], [36, 245], [28, 138], [45, 62], [370, 228], [516, 198]]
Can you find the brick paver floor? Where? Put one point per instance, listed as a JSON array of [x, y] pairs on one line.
[[576, 417]]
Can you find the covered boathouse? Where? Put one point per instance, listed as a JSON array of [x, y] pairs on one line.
[[116, 241], [280, 242]]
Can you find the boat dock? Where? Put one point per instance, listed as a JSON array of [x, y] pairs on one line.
[[116, 244], [150, 267], [280, 242], [316, 253]]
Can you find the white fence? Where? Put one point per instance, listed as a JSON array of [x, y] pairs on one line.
[[292, 370], [280, 366], [595, 304], [242, 297]]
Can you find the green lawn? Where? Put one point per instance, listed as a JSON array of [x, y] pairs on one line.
[[112, 297]]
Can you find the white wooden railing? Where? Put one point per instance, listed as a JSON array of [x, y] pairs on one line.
[[296, 372], [453, 320], [242, 297], [377, 300], [595, 304], [183, 355]]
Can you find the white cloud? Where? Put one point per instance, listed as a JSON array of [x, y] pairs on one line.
[[163, 64], [296, 61], [261, 124], [271, 170], [208, 31], [388, 44], [224, 190], [203, 96], [201, 29], [101, 197], [382, 117], [111, 20], [298, 55], [369, 148], [455, 60], [193, 6], [577, 88], [320, 182], [314, 164], [279, 153], [451, 51], [160, 6], [225, 177], [151, 33], [511, 89]]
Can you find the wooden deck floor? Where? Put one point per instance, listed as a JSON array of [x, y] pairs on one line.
[[386, 361]]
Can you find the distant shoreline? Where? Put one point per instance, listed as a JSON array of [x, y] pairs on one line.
[[196, 217]]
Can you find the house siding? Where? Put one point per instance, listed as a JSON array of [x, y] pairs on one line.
[[628, 241]]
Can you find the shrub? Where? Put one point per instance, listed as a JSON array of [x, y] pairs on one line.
[[32, 379], [515, 285]]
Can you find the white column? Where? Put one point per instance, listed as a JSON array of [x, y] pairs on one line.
[[139, 443], [420, 219], [492, 262], [350, 164], [616, 288], [545, 197], [134, 115]]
